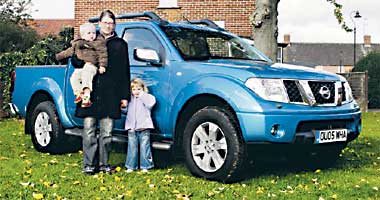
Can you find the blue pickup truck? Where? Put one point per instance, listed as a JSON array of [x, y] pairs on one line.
[[217, 97]]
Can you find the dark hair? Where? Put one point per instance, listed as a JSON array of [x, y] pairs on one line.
[[109, 14]]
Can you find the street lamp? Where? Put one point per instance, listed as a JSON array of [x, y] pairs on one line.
[[357, 15]]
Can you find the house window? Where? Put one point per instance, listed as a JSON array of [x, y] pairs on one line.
[[168, 4]]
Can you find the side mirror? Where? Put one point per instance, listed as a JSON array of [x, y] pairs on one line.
[[147, 55]]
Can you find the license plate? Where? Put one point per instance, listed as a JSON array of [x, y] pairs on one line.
[[326, 136]]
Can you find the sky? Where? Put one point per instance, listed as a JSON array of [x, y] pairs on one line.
[[313, 21]]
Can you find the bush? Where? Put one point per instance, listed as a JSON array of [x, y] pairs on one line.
[[41, 53], [371, 63], [14, 37]]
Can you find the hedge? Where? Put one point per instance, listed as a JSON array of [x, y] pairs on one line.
[[42, 53], [371, 63]]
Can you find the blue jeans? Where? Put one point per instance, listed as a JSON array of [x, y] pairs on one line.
[[134, 139]]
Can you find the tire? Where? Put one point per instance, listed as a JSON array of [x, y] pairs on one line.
[[47, 133], [217, 156]]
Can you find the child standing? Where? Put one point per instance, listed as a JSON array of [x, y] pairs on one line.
[[93, 52], [138, 123]]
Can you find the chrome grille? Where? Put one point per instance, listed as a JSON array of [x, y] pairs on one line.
[[293, 92], [316, 93], [317, 89]]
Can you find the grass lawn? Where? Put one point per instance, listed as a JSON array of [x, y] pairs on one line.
[[27, 174]]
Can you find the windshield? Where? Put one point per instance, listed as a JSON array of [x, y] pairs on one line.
[[195, 44]]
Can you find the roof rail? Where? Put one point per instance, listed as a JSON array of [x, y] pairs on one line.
[[205, 22], [148, 14]]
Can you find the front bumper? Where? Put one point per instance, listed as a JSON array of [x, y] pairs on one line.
[[297, 126]]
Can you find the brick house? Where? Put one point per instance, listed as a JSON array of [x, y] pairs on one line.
[[332, 57], [50, 26], [233, 15]]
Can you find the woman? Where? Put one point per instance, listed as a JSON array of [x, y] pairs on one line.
[[107, 97]]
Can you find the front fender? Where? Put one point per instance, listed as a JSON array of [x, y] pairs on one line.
[[50, 86], [234, 92]]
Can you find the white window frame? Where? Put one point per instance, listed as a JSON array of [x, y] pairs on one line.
[[168, 4]]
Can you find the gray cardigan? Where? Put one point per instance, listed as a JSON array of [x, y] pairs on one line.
[[138, 112]]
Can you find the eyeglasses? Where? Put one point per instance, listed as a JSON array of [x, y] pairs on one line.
[[108, 23]]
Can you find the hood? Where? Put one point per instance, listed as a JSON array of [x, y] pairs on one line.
[[271, 70]]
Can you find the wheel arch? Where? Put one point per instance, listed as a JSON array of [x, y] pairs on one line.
[[194, 104]]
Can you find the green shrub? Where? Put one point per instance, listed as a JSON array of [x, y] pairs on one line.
[[371, 63], [41, 53], [14, 37]]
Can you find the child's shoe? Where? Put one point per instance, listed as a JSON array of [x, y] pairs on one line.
[[144, 171], [129, 170], [78, 98], [86, 102]]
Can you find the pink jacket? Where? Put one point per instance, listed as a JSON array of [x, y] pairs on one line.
[[139, 115]]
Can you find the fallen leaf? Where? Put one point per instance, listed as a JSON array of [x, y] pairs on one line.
[[76, 182], [24, 183], [38, 196], [375, 188], [27, 162], [4, 158], [334, 196], [183, 196], [317, 171], [118, 169], [54, 161], [47, 184]]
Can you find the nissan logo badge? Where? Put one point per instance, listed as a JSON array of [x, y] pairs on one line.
[[325, 92]]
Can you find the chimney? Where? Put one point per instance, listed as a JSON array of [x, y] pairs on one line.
[[287, 38], [367, 40]]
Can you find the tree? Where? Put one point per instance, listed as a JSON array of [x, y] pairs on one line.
[[264, 21], [15, 35], [16, 11], [371, 63]]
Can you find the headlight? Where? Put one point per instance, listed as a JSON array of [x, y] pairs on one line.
[[348, 91], [269, 89]]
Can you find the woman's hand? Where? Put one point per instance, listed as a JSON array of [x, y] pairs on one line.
[[123, 103]]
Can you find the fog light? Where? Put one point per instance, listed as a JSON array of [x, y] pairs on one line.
[[276, 131]]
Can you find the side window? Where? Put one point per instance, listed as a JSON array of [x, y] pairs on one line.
[[141, 38]]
